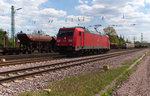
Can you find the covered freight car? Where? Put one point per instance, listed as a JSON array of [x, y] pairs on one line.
[[128, 45], [80, 40], [29, 43]]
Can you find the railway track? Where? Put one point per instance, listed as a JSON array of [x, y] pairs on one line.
[[33, 71], [35, 58], [36, 55], [25, 56], [30, 60]]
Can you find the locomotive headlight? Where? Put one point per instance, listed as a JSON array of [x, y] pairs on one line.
[[58, 40], [70, 40]]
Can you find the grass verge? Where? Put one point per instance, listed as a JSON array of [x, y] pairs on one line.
[[85, 84], [123, 77]]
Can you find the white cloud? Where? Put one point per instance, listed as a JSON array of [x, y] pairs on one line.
[[30, 17], [83, 1], [113, 8], [52, 12], [147, 1], [137, 3], [97, 9], [113, 12], [117, 3]]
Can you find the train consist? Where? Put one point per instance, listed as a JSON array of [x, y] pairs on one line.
[[73, 40], [79, 40], [126, 46], [122, 46], [29, 43]]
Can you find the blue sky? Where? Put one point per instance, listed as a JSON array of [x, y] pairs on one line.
[[50, 15], [66, 5]]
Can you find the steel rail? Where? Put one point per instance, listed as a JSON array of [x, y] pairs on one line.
[[56, 66], [30, 60], [21, 56]]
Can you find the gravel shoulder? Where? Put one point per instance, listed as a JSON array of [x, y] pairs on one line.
[[138, 83]]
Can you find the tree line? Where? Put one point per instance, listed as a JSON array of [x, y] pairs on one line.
[[114, 38], [2, 36]]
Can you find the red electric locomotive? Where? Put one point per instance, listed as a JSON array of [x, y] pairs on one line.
[[80, 40]]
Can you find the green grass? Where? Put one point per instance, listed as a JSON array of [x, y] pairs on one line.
[[123, 77], [85, 84]]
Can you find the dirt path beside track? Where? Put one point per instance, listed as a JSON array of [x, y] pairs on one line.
[[138, 83]]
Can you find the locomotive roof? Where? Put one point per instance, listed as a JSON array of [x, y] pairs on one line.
[[85, 29], [75, 27]]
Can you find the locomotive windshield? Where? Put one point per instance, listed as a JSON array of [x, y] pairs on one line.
[[65, 33]]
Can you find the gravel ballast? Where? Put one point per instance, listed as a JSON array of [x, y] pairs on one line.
[[138, 83], [39, 82]]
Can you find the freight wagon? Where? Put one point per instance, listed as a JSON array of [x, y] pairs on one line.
[[128, 45], [114, 46], [80, 40], [29, 43]]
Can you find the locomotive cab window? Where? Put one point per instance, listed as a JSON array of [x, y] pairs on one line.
[[65, 33], [79, 33]]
